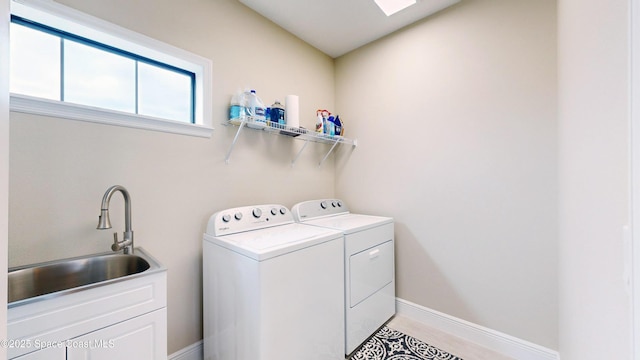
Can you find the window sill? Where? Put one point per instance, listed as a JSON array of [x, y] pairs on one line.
[[37, 106]]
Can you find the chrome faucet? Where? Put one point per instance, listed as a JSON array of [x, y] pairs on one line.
[[104, 222]]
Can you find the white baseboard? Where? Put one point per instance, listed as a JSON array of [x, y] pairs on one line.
[[191, 352], [488, 338]]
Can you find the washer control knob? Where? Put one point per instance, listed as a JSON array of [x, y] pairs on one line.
[[334, 204], [238, 216], [257, 213], [226, 217], [283, 211], [274, 211], [323, 204], [339, 203]]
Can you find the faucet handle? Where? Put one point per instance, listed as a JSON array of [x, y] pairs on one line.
[[116, 245]]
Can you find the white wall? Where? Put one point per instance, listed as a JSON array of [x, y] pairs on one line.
[[60, 168], [456, 122], [4, 166], [593, 162]]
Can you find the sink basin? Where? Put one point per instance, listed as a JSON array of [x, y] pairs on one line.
[[55, 277]]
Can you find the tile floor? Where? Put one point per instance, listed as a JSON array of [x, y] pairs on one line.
[[446, 342]]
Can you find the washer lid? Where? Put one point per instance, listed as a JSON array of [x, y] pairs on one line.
[[350, 223], [274, 241]]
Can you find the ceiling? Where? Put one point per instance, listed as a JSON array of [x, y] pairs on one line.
[[336, 27]]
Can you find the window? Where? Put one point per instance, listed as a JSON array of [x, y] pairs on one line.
[[67, 64], [35, 66]]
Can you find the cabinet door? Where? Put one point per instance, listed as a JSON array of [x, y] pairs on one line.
[[52, 353], [141, 338]]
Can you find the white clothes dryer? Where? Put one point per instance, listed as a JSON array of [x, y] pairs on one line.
[[273, 289], [369, 265]]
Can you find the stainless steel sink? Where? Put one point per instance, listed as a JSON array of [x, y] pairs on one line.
[[58, 277]]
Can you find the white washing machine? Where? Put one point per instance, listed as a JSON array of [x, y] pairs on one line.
[[273, 289], [369, 265]]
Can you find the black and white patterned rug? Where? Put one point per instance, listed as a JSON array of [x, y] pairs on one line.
[[389, 344]]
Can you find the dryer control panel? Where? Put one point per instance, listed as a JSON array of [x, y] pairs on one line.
[[246, 218], [314, 209]]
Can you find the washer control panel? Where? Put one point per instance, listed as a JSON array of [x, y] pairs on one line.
[[314, 209], [246, 218]]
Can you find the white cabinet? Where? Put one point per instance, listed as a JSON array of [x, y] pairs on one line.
[[143, 337], [130, 313], [52, 353]]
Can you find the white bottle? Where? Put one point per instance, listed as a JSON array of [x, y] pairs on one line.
[[257, 110]]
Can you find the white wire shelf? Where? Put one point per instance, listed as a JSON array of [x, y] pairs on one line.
[[297, 133]]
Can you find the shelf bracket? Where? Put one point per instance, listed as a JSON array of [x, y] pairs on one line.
[[235, 139], [293, 162], [330, 150]]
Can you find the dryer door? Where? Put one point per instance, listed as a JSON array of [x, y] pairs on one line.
[[370, 271]]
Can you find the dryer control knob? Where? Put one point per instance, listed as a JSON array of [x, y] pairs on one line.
[[334, 204], [283, 211], [274, 211], [323, 204], [257, 213], [226, 217], [238, 216], [339, 203]]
